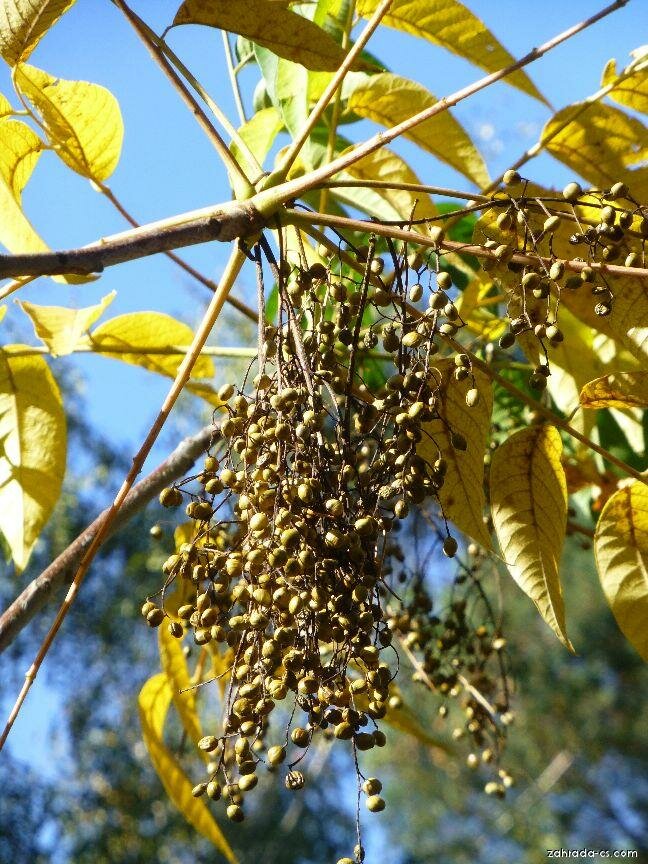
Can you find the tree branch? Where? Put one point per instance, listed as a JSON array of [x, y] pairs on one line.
[[223, 222], [61, 571]]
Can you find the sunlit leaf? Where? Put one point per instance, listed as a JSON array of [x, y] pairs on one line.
[[5, 107], [61, 328], [632, 90], [23, 23], [174, 665], [621, 549], [271, 24], [389, 99], [616, 390], [153, 703], [20, 150], [602, 144], [462, 494], [259, 134], [82, 120], [528, 494], [450, 24], [3, 312], [33, 449], [150, 339]]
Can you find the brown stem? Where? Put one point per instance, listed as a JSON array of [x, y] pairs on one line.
[[307, 218], [61, 571], [182, 376]]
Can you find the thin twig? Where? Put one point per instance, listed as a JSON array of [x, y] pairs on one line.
[[236, 92], [143, 31], [303, 218], [61, 571], [184, 265], [182, 376]]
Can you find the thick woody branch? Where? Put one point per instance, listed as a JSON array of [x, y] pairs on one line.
[[61, 571], [223, 222]]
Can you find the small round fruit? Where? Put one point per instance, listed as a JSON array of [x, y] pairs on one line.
[[375, 804]]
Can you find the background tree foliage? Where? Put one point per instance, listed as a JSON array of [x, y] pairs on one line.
[[527, 308]]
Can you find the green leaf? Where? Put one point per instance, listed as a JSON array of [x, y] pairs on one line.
[[632, 90], [388, 99], [602, 144], [269, 23], [529, 509], [462, 494], [616, 390], [153, 703], [174, 665], [259, 134], [60, 328], [148, 339], [82, 120], [450, 24], [23, 23], [621, 550], [33, 449]]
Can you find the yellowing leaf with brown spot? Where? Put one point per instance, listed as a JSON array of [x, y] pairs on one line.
[[153, 340], [528, 493], [269, 23], [389, 99], [23, 23], [61, 328], [153, 703], [32, 449], [630, 90], [621, 550], [462, 494], [450, 24], [602, 144], [174, 665], [616, 390], [82, 120]]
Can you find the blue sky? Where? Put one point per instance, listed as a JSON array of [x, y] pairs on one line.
[[168, 166]]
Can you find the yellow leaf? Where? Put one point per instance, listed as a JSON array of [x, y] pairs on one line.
[[450, 24], [389, 99], [601, 144], [462, 494], [32, 458], [632, 90], [3, 312], [60, 328], [153, 703], [174, 665], [405, 720], [270, 24], [616, 390], [206, 392], [5, 107], [20, 149], [150, 339], [529, 508], [82, 120], [23, 23], [386, 166], [259, 134], [621, 550]]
